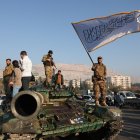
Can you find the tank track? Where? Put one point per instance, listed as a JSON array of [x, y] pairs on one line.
[[108, 132], [112, 129]]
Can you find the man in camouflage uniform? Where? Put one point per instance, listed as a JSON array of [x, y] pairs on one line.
[[99, 84], [48, 66], [7, 73]]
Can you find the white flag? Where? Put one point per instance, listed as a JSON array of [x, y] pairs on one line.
[[97, 32]]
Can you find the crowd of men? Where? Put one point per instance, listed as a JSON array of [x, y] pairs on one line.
[[17, 76]]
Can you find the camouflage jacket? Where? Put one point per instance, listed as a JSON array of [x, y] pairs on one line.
[[8, 70], [47, 60], [99, 71]]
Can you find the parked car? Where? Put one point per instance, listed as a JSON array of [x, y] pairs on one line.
[[2, 97], [127, 94], [137, 95], [89, 100]]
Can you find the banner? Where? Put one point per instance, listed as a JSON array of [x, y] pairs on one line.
[[97, 32]]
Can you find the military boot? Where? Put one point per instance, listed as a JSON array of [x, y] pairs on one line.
[[97, 103], [103, 104]]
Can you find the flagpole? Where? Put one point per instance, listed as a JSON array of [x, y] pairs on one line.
[[84, 46]]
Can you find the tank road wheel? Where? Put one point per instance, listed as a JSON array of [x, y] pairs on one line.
[[108, 132], [112, 129]]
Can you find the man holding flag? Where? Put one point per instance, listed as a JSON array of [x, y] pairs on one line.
[[97, 32], [98, 79]]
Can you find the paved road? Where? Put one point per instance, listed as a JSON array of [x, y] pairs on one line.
[[131, 129]]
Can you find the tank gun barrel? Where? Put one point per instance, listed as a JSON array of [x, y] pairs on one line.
[[27, 104]]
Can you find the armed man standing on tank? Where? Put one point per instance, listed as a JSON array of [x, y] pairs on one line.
[[99, 82], [7, 73], [48, 67]]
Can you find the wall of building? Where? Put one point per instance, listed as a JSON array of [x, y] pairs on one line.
[[119, 80]]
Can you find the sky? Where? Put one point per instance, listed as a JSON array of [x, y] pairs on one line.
[[41, 25]]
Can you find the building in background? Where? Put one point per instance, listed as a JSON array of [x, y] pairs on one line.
[[66, 83], [75, 83], [36, 75], [88, 83], [119, 80]]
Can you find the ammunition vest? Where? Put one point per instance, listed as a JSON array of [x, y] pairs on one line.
[[100, 71], [8, 70], [47, 60]]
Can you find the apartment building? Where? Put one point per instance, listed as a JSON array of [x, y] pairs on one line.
[[75, 83], [89, 83], [119, 80]]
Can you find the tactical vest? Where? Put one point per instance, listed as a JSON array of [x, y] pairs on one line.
[[100, 71], [8, 70], [46, 62]]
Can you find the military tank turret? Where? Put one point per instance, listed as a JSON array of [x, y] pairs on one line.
[[47, 114]]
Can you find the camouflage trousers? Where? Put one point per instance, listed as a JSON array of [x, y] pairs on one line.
[[48, 73], [100, 88]]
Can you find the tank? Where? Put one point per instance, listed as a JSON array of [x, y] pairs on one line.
[[41, 114]]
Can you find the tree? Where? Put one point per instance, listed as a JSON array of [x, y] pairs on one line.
[[115, 89]]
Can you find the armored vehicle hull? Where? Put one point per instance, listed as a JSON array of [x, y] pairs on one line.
[[47, 114]]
